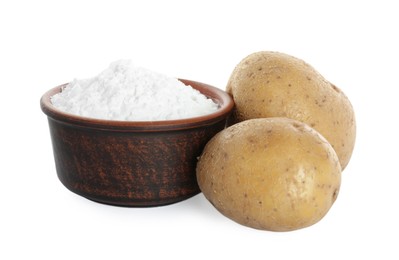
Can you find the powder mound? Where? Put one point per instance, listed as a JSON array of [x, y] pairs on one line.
[[129, 93]]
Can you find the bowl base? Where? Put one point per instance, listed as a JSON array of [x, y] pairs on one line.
[[141, 204]]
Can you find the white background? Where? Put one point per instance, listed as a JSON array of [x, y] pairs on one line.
[[354, 44]]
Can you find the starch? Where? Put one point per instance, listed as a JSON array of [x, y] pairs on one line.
[[125, 92]]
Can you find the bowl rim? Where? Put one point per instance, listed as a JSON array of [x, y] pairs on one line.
[[221, 97]]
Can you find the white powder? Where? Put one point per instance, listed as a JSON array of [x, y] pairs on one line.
[[126, 92]]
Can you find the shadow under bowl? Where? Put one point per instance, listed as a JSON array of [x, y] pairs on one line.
[[133, 163]]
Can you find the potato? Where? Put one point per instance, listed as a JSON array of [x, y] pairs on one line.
[[274, 174], [272, 84]]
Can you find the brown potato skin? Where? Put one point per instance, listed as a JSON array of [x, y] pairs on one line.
[[273, 84], [273, 174]]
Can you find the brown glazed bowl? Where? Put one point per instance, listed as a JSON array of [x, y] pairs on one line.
[[132, 163]]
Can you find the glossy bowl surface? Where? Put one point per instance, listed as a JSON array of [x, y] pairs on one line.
[[132, 163]]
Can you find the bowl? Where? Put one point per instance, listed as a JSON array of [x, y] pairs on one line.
[[132, 163]]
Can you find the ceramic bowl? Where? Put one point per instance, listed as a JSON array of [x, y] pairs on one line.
[[132, 163]]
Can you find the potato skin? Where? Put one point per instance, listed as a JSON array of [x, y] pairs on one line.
[[273, 84], [273, 174]]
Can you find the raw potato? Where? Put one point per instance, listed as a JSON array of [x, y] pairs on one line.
[[272, 84], [272, 173]]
